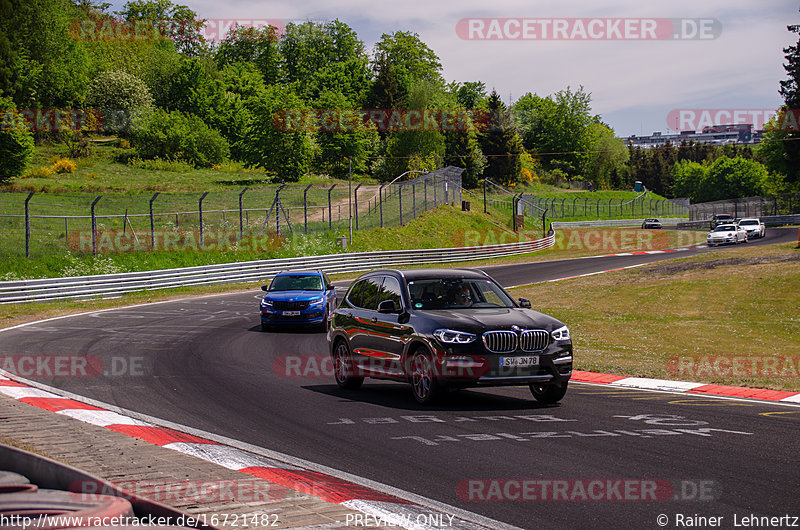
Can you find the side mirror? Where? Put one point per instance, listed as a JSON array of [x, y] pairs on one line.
[[525, 303], [265, 287], [387, 306]]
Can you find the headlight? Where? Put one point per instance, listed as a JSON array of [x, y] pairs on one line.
[[561, 333], [266, 302], [318, 301], [448, 336]]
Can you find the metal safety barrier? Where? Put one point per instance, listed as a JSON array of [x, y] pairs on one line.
[[114, 285]]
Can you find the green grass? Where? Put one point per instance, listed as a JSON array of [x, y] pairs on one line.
[[106, 172], [643, 322]]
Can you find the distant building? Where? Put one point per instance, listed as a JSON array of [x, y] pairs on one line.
[[742, 133]]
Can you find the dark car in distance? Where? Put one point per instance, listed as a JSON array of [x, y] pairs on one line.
[[439, 329], [297, 298]]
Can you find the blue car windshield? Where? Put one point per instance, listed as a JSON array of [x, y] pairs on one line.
[[296, 282]]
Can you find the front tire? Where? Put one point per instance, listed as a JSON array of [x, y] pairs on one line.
[[343, 368], [548, 394], [326, 322], [424, 385]]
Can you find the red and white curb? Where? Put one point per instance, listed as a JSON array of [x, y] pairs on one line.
[[383, 505], [687, 387], [642, 253]]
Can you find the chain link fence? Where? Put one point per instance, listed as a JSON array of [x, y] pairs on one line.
[[37, 224], [747, 207], [566, 207]]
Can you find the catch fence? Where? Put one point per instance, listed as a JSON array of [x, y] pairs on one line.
[[36, 224]]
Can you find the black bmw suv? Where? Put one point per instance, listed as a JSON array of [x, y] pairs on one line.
[[440, 329]]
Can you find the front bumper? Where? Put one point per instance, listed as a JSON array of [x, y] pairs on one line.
[[459, 369], [315, 316]]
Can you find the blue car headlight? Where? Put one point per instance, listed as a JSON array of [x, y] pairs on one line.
[[561, 333], [318, 301], [449, 336], [266, 303]]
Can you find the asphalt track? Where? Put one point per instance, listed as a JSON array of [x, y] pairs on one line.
[[203, 362]]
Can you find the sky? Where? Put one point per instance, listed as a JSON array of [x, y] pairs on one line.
[[638, 86]]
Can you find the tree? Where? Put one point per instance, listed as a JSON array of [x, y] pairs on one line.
[[411, 58], [268, 144], [178, 136], [41, 65], [501, 144], [462, 150], [16, 142], [726, 178], [417, 149], [252, 45], [118, 96], [338, 146], [781, 146], [470, 94], [688, 177], [386, 91], [318, 57], [607, 156], [557, 128], [175, 22]]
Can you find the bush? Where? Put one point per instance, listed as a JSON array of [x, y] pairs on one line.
[[64, 165], [16, 142], [119, 96], [176, 136], [41, 172]]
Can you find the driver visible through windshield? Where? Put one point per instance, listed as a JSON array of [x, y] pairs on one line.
[[456, 293]]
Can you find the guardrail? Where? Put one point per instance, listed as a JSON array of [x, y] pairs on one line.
[[768, 220], [693, 225], [612, 222], [781, 220], [114, 285]]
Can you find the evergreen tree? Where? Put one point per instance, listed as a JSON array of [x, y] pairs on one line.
[[501, 144]]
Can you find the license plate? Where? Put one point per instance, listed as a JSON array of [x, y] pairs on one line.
[[291, 313], [519, 361]]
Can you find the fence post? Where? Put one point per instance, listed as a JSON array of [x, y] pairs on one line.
[[66, 228], [435, 200], [28, 226], [562, 208], [330, 208], [425, 205], [94, 226], [278, 209], [200, 212], [400, 197], [484, 195], [355, 203], [153, 223], [241, 215], [380, 201], [413, 201], [305, 209]]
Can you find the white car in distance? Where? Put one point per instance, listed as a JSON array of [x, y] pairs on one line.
[[724, 234], [753, 226]]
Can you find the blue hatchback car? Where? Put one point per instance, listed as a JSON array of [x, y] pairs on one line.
[[298, 298]]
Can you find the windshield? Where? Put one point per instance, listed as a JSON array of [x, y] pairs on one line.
[[725, 228], [457, 293], [748, 223], [296, 282]]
